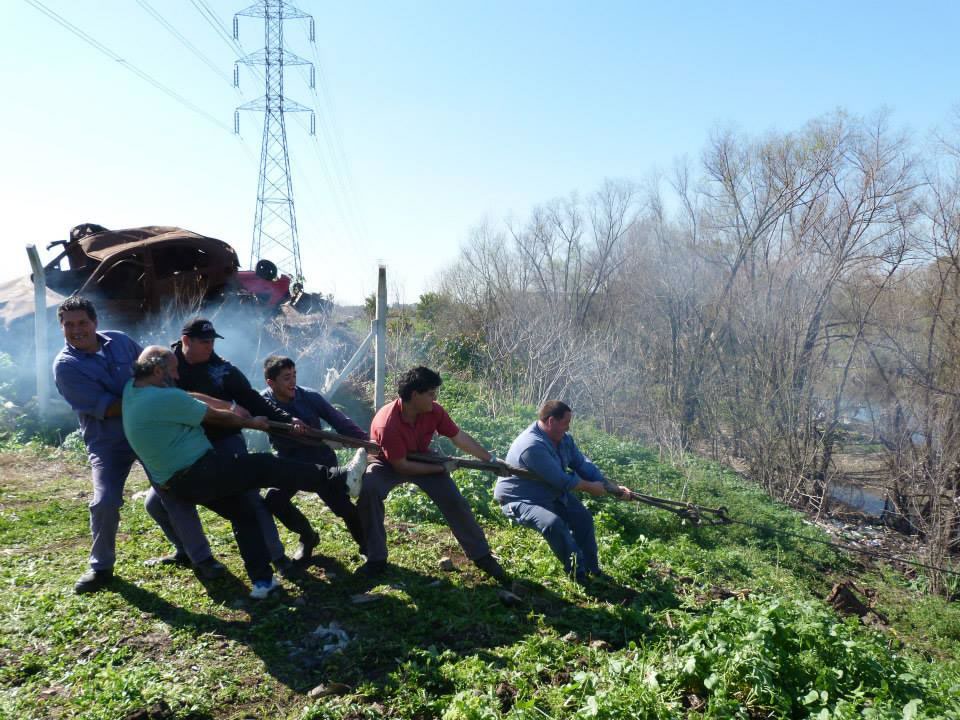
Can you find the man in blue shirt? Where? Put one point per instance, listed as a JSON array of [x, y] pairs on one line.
[[163, 425], [90, 373], [548, 505], [313, 409]]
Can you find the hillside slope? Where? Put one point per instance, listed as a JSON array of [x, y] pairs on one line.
[[700, 622]]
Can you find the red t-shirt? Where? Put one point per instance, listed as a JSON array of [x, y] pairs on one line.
[[397, 437]]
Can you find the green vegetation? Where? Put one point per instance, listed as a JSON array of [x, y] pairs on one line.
[[699, 622]]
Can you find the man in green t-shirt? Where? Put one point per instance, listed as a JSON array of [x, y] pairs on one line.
[[162, 424]]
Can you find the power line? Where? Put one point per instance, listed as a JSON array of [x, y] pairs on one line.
[[336, 176], [335, 139], [129, 66], [335, 193], [183, 40], [236, 47], [207, 14]]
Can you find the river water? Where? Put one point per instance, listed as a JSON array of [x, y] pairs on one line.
[[865, 500]]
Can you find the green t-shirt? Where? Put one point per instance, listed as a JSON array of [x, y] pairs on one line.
[[162, 426]]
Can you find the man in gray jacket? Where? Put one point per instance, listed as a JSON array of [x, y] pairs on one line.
[[548, 505]]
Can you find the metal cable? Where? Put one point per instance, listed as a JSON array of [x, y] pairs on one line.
[[59, 19], [158, 16], [842, 546]]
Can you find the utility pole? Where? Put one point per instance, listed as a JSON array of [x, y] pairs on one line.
[[275, 221]]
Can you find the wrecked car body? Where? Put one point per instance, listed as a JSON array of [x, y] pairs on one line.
[[137, 273]]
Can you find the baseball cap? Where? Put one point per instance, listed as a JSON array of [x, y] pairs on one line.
[[200, 328]]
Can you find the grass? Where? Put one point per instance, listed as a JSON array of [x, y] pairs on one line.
[[699, 622]]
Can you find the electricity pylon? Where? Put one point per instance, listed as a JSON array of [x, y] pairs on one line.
[[275, 221]]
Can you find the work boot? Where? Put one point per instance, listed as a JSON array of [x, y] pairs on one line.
[[489, 564], [177, 558], [601, 577], [305, 549], [210, 569], [286, 568], [93, 580], [373, 568]]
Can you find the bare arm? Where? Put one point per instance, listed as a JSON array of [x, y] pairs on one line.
[[114, 409], [218, 404], [591, 488], [211, 402], [466, 443], [412, 467]]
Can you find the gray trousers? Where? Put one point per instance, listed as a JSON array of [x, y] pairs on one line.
[[109, 475], [568, 528], [381, 478], [181, 524]]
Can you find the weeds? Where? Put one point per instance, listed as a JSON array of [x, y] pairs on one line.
[[699, 622]]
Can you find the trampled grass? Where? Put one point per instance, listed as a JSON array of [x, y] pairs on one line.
[[698, 622]]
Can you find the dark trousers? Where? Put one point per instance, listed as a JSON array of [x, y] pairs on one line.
[[334, 494], [181, 523], [221, 482], [381, 478]]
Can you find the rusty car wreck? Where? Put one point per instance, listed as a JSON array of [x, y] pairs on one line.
[[137, 273]]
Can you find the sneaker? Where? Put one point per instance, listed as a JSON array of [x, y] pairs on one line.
[[262, 588], [373, 568], [93, 580], [305, 548], [285, 567], [354, 473], [210, 569], [178, 558], [491, 566]]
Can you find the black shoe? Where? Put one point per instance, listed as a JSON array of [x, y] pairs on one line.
[[179, 558], [601, 577], [373, 568], [489, 564], [93, 580], [286, 568], [305, 548], [210, 569]]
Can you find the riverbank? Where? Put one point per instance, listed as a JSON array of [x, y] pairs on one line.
[[694, 622]]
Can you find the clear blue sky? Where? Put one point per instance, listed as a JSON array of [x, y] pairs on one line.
[[438, 114]]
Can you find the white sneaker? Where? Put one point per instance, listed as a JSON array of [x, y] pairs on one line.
[[262, 588], [355, 469]]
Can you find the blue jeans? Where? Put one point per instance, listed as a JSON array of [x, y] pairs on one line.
[[568, 528]]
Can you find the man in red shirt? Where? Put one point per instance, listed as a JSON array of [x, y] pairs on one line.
[[407, 425]]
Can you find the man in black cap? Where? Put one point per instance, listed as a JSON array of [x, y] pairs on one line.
[[201, 370]]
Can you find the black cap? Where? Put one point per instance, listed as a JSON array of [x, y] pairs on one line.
[[200, 328]]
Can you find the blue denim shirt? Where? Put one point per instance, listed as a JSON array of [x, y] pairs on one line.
[[91, 382], [311, 407], [561, 466]]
